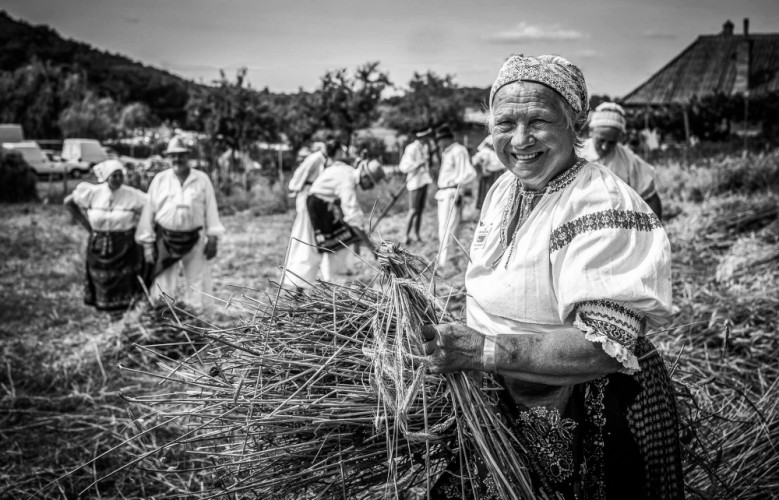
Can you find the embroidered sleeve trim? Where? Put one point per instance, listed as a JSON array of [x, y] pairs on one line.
[[620, 219], [614, 325]]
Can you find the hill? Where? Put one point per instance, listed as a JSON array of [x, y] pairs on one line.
[[110, 75]]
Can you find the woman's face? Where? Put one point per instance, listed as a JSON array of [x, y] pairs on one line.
[[531, 134], [115, 180], [605, 139]]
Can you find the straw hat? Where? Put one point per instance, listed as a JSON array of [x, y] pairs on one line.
[[176, 145], [374, 171]]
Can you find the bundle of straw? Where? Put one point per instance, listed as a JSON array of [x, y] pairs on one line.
[[326, 394]]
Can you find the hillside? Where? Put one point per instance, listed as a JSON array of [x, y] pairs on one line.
[[108, 74]]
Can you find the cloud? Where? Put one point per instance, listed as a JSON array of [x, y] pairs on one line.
[[589, 54], [524, 32], [131, 20], [658, 36]]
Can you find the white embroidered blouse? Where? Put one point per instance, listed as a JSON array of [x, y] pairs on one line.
[[628, 166], [110, 210], [587, 251]]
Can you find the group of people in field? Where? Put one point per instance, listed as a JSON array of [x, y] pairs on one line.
[[568, 268]]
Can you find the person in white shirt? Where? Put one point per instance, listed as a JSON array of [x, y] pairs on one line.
[[607, 128], [110, 211], [306, 173], [415, 163], [489, 166], [455, 174], [331, 221], [180, 228]]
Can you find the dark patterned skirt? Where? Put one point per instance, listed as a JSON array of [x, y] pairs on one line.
[[617, 438], [330, 230], [114, 262]]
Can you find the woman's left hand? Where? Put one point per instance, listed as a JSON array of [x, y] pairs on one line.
[[452, 347]]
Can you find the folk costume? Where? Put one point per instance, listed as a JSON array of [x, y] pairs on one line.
[[490, 169], [583, 251], [628, 166], [322, 229], [114, 261], [177, 220], [305, 175], [415, 163], [455, 174]]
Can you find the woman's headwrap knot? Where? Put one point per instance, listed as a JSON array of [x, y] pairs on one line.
[[555, 72], [104, 169]]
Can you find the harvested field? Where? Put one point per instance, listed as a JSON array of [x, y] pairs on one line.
[[67, 372]]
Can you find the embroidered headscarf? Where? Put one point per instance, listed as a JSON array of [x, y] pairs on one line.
[[104, 169], [608, 114], [555, 72]]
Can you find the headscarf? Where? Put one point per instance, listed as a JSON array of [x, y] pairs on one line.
[[104, 169], [555, 72], [608, 114]]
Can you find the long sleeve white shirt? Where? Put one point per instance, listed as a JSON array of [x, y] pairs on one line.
[[415, 163], [110, 210], [456, 170], [340, 180], [180, 207], [308, 170]]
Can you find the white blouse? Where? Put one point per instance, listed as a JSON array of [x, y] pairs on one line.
[[628, 166], [587, 252], [110, 210]]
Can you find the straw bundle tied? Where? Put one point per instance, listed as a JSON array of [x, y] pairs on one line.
[[325, 394]]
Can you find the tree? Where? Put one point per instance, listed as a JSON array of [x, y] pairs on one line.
[[298, 117], [93, 117], [348, 103], [232, 113], [430, 100]]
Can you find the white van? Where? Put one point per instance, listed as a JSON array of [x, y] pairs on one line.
[[34, 156], [11, 132], [82, 154]]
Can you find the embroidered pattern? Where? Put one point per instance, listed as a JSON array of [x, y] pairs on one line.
[[593, 466], [550, 439], [614, 325], [621, 219]]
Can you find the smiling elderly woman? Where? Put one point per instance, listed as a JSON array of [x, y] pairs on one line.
[[568, 268]]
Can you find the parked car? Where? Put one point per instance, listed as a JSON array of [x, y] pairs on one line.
[[82, 154], [37, 159]]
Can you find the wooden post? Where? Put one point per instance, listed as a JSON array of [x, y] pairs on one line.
[[686, 124], [746, 123]]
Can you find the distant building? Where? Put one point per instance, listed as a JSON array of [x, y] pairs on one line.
[[726, 63]]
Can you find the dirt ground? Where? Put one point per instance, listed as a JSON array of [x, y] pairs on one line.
[[61, 384]]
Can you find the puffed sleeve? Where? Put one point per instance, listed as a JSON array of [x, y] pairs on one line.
[[350, 206], [145, 233], [643, 175], [611, 265], [83, 194]]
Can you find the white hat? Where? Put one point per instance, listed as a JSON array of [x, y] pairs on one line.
[[176, 145], [104, 169], [608, 114]]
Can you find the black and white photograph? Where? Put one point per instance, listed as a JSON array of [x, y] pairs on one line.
[[364, 250]]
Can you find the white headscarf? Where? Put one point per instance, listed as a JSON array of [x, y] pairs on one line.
[[104, 169]]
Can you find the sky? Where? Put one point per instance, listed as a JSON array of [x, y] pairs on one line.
[[289, 44]]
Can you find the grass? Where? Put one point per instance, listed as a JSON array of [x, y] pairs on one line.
[[62, 391]]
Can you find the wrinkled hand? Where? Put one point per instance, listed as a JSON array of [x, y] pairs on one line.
[[210, 248], [452, 347], [148, 253]]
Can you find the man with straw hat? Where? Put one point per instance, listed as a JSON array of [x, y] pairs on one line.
[[331, 222], [180, 227], [607, 128], [455, 174], [415, 163]]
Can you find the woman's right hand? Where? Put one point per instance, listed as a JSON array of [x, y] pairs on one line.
[[452, 347]]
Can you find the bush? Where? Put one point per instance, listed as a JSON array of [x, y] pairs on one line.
[[17, 180]]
